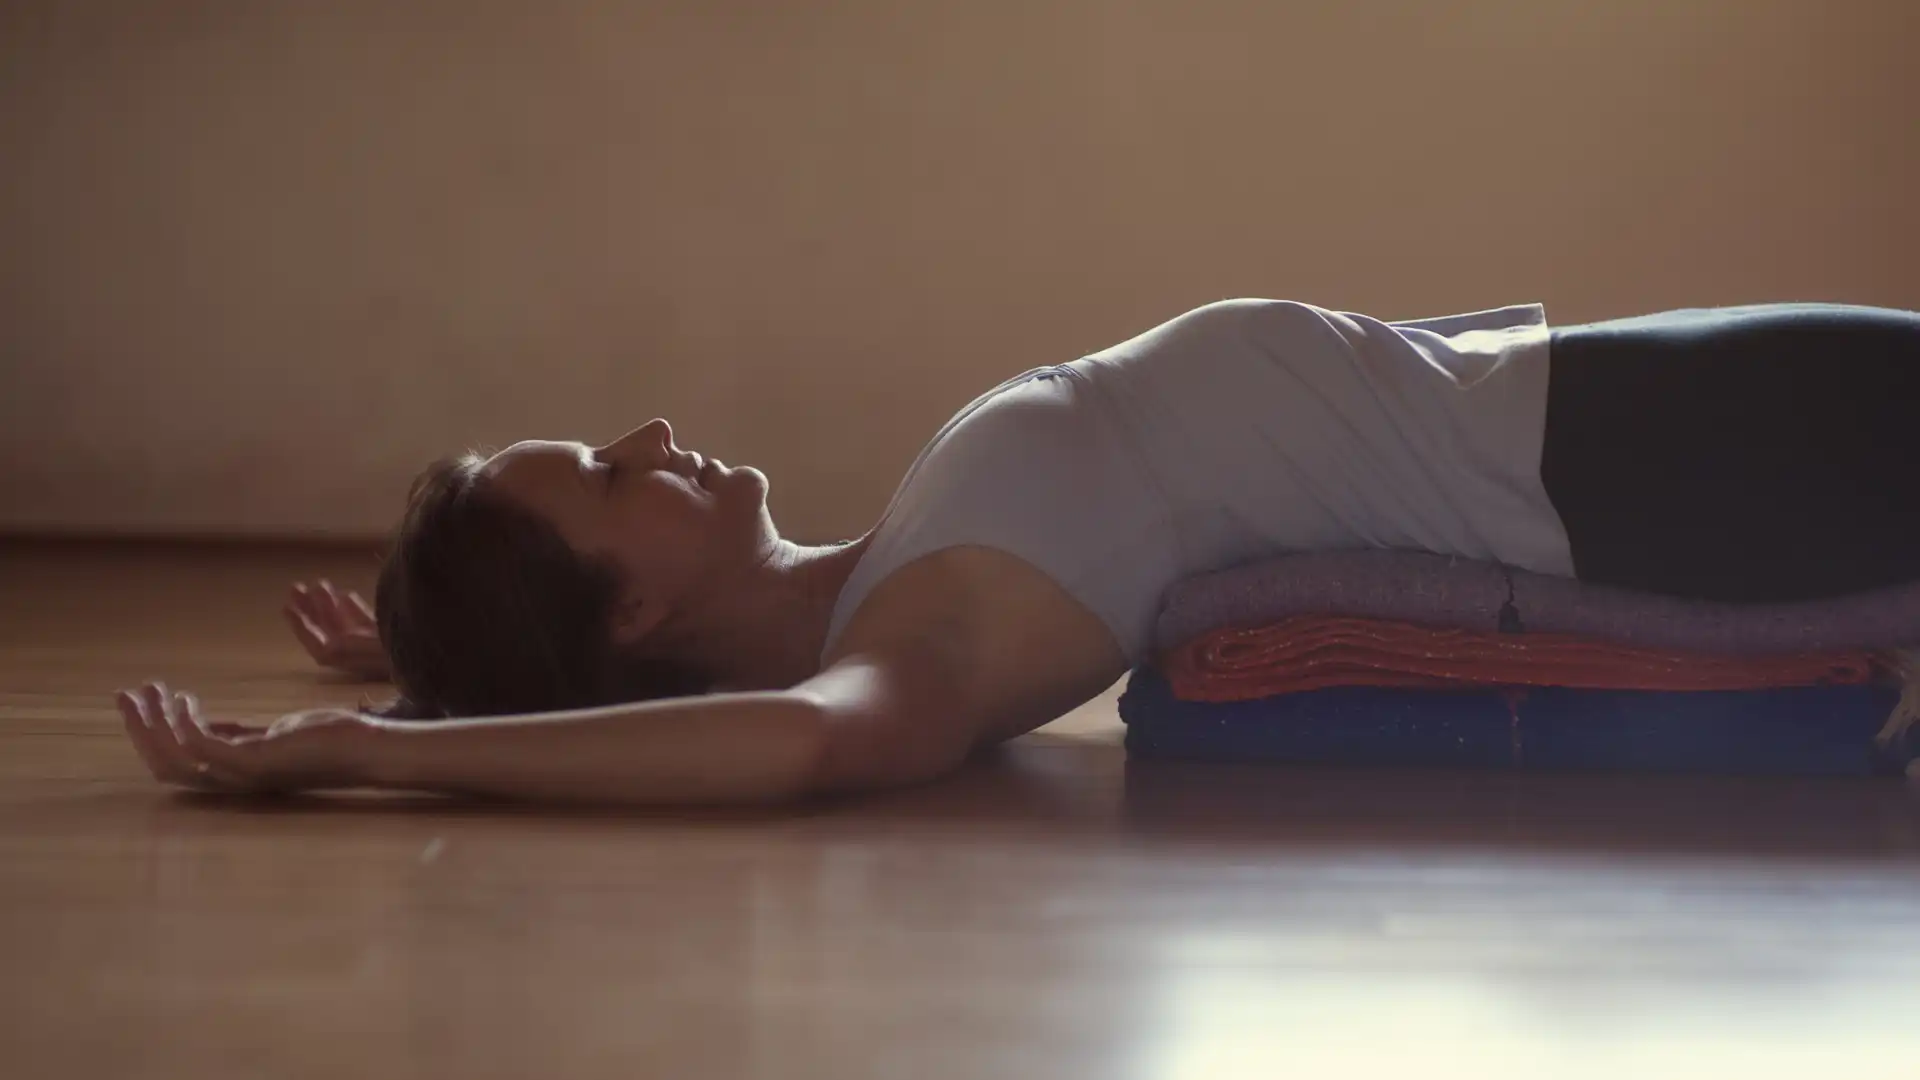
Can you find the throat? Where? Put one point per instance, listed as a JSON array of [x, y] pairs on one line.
[[767, 632]]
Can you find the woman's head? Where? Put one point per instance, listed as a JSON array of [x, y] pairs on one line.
[[556, 575]]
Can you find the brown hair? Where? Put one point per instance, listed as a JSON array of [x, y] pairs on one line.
[[484, 610]]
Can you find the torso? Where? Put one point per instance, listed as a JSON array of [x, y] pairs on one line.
[[1033, 537]]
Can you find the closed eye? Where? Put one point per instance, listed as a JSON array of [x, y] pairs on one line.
[[601, 468]]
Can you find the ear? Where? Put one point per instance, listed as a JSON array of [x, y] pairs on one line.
[[635, 618]]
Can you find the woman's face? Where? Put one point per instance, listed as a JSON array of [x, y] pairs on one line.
[[674, 524]]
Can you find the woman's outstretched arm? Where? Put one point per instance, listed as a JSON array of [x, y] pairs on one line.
[[863, 723], [981, 648]]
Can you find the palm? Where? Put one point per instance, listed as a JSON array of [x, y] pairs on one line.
[[338, 630], [180, 746]]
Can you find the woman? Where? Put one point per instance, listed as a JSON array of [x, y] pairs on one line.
[[624, 624]]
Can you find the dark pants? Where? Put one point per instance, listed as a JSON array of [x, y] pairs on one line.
[[1754, 454]]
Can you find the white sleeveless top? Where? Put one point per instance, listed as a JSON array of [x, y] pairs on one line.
[[1239, 431]]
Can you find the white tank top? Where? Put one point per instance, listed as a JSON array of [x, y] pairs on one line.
[[1239, 431]]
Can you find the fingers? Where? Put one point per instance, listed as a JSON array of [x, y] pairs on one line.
[[139, 732], [320, 608], [164, 742], [340, 616], [352, 614], [311, 637], [180, 746], [210, 757], [308, 628], [153, 738], [173, 740], [330, 622], [343, 610]]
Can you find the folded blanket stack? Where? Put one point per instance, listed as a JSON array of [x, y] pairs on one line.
[[1407, 659]]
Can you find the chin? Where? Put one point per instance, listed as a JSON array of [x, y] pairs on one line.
[[754, 480], [743, 485]]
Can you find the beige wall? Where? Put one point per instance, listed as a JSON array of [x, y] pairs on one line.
[[258, 261]]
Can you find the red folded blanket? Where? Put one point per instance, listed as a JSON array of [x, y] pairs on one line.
[[1313, 652]]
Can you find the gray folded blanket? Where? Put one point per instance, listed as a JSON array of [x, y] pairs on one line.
[[1418, 587]]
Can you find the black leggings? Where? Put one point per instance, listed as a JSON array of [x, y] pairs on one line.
[[1755, 454]]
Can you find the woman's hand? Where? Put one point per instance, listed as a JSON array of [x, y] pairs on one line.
[[337, 628], [301, 751]]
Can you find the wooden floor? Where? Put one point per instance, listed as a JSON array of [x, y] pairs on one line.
[[1052, 913]]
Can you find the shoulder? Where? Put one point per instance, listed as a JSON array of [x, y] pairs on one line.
[[960, 648]]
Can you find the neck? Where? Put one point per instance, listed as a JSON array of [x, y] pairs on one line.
[[766, 630]]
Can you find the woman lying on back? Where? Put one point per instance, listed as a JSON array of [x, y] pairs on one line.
[[624, 624]]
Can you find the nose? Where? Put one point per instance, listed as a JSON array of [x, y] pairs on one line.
[[648, 446]]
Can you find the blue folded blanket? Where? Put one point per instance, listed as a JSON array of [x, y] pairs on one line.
[[1799, 731]]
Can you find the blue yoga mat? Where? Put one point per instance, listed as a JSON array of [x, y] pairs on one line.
[[1823, 730]]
